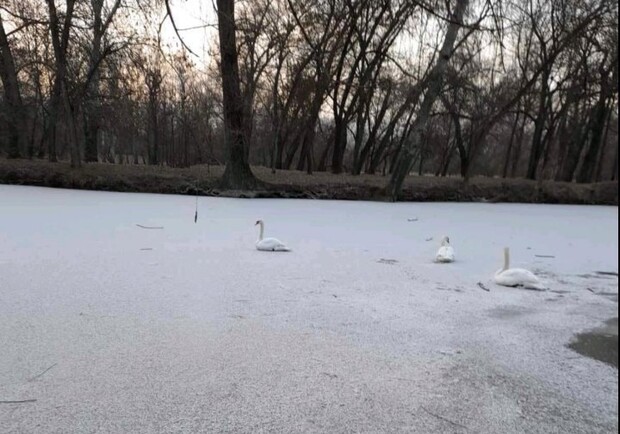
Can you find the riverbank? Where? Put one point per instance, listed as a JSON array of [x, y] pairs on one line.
[[202, 179]]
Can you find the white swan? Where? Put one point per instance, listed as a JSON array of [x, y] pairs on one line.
[[446, 252], [516, 276], [269, 244]]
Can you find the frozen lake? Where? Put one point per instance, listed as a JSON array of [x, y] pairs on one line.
[[111, 327]]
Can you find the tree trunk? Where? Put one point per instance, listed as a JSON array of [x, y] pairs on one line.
[[446, 164], [153, 129], [575, 133], [360, 122], [614, 170], [597, 128], [340, 143], [15, 108], [601, 157], [60, 96], [373, 133], [539, 125], [403, 164], [237, 174], [510, 144], [92, 112], [322, 167]]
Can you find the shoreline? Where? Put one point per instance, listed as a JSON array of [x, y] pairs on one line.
[[202, 179]]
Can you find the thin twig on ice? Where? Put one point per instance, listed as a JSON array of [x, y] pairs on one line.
[[22, 401], [481, 285], [39, 375], [443, 418]]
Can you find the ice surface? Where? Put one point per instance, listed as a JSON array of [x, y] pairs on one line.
[[190, 329]]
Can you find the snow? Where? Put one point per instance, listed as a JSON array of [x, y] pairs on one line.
[[355, 330]]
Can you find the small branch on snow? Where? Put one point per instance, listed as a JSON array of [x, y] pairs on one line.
[[23, 401], [607, 273], [412, 220], [42, 373], [544, 256], [591, 290], [443, 418], [429, 239], [149, 227], [481, 285]]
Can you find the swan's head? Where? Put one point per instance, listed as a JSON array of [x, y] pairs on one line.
[[445, 241], [258, 222]]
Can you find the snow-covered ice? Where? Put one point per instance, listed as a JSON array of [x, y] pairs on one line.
[[190, 329]]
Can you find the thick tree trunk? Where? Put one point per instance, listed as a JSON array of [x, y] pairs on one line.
[[237, 174], [60, 95], [340, 144], [322, 166], [464, 157], [517, 149], [92, 112], [15, 108], [403, 164], [91, 129], [292, 149], [360, 122], [153, 130], [614, 170]]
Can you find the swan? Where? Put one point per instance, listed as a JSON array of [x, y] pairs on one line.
[[445, 253], [269, 244], [516, 276]]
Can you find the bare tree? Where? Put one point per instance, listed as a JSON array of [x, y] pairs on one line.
[[14, 105], [92, 113], [433, 87], [60, 96], [237, 174]]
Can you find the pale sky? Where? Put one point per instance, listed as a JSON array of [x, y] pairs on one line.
[[192, 14]]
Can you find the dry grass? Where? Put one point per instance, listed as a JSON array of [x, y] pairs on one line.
[[140, 178]]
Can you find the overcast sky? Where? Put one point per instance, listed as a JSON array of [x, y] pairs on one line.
[[192, 15]]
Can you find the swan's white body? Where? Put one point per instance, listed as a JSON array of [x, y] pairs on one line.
[[517, 276], [445, 253], [269, 244]]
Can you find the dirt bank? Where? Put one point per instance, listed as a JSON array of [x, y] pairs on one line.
[[293, 184]]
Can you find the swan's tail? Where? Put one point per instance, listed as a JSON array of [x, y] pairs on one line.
[[538, 286]]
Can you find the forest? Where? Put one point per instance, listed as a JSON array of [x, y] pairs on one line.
[[497, 88]]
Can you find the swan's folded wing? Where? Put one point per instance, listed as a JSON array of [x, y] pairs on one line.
[[272, 245], [445, 254], [519, 277]]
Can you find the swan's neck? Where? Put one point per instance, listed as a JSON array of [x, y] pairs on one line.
[[506, 259], [262, 229]]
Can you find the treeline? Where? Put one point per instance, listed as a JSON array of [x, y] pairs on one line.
[[517, 88]]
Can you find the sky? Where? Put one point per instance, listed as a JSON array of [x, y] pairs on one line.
[[199, 19]]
